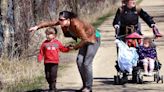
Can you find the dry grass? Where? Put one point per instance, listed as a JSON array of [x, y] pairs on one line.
[[24, 75], [15, 73]]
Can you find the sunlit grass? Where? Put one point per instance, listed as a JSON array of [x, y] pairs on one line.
[[25, 75], [16, 73], [139, 1]]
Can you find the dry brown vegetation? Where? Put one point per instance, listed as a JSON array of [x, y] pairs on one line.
[[16, 72]]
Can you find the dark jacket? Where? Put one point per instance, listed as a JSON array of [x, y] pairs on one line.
[[126, 17]]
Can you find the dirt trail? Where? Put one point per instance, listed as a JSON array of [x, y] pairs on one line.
[[103, 65]]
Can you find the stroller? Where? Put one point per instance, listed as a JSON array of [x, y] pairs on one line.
[[133, 40]]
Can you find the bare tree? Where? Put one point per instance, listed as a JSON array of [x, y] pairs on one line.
[[16, 16], [1, 32]]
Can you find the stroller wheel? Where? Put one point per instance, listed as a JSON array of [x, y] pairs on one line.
[[155, 77], [162, 79], [117, 80], [123, 80], [158, 79], [139, 79]]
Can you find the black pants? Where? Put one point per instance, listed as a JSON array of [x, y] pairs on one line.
[[51, 75]]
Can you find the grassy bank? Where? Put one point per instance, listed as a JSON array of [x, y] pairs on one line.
[[27, 75], [35, 84], [16, 74]]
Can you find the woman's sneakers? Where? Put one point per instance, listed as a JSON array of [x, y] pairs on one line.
[[86, 90]]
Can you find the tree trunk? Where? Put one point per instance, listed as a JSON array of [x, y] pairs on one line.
[[16, 16], [1, 32], [23, 19]]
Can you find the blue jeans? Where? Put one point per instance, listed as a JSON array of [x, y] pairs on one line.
[[84, 62]]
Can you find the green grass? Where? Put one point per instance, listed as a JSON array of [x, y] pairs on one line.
[[34, 84], [27, 85], [139, 1]]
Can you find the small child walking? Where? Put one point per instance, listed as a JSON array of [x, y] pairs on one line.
[[49, 50], [147, 54]]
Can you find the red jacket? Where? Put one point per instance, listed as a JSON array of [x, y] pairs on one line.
[[49, 50]]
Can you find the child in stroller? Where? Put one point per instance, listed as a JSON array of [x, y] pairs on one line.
[[147, 54]]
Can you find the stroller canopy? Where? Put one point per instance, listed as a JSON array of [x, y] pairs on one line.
[[134, 35]]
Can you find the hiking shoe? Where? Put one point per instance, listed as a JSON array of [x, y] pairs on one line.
[[86, 90]]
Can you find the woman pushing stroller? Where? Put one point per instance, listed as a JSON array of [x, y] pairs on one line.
[[127, 19], [126, 22]]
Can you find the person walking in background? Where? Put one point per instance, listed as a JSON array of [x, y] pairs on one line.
[[73, 27], [127, 19], [49, 50]]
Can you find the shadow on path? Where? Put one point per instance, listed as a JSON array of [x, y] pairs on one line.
[[38, 90], [59, 90], [104, 80]]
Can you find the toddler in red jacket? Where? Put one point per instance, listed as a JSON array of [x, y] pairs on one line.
[[49, 50]]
